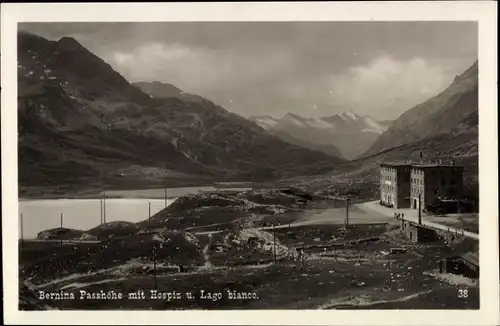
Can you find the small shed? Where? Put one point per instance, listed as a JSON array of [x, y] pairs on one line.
[[466, 265], [418, 232]]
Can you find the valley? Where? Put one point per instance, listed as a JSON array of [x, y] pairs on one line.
[[256, 215]]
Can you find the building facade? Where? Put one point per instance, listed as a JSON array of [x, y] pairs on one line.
[[405, 185], [433, 183], [395, 185]]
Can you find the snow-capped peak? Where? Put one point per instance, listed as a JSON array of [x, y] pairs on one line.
[[293, 119], [316, 123], [348, 115], [265, 121]]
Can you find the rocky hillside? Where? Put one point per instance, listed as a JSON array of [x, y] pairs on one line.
[[450, 112], [345, 134], [82, 123]]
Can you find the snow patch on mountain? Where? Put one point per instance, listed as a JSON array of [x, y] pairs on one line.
[[266, 122], [348, 131], [348, 116], [373, 126]]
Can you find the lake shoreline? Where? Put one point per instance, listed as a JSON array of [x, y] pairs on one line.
[[154, 192]]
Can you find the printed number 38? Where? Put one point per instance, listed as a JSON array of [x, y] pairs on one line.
[[463, 293]]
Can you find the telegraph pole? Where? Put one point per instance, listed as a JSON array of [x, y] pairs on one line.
[[346, 211], [22, 236], [274, 238], [104, 205], [165, 196], [154, 265], [149, 217], [154, 246], [101, 209], [61, 227]]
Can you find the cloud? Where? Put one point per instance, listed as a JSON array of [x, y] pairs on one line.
[[198, 69], [376, 68], [387, 86]]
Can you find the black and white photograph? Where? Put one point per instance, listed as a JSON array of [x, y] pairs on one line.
[[250, 165]]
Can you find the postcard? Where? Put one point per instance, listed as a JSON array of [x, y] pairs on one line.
[[250, 163]]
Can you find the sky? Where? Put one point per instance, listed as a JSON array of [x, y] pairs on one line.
[[313, 69]]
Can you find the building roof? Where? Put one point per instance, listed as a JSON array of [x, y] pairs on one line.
[[472, 257], [420, 165], [435, 165], [395, 163]]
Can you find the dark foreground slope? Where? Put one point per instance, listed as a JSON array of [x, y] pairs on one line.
[[81, 123]]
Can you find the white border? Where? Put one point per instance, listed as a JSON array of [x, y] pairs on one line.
[[482, 11]]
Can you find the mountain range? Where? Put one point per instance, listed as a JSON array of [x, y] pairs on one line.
[[345, 134], [81, 122], [443, 128]]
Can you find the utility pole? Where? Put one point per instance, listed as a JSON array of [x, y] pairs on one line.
[[101, 209], [154, 247], [104, 205], [154, 266], [165, 196], [149, 217], [22, 236], [60, 229], [274, 237], [347, 211]]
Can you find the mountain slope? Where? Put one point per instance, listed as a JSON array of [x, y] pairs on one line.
[[81, 122], [349, 132], [438, 115], [158, 89], [331, 150]]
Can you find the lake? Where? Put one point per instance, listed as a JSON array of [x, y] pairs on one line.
[[171, 192], [84, 214]]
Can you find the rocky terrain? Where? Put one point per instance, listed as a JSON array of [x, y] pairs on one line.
[[81, 123], [224, 243]]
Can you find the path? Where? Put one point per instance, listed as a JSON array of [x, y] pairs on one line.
[[206, 256], [412, 215], [334, 216]]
